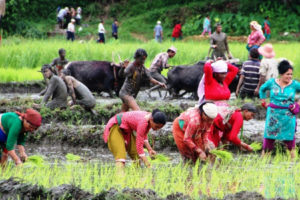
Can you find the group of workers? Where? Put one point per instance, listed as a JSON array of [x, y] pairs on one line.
[[209, 125]]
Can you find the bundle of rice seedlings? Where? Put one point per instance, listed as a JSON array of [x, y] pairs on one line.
[[159, 158], [72, 157], [36, 160], [256, 146], [225, 156]]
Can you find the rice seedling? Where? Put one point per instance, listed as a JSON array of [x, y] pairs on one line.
[[14, 60], [225, 156], [256, 146], [271, 176], [72, 157]]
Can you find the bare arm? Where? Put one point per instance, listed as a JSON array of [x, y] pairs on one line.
[[51, 87], [239, 85], [15, 157], [70, 86], [261, 81], [22, 152], [152, 80]]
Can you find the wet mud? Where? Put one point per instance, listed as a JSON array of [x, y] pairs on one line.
[[16, 189], [22, 87]]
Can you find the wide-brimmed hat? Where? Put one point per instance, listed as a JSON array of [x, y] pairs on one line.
[[172, 48], [267, 51]]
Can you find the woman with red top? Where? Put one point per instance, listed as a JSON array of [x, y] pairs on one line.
[[128, 131], [215, 81], [227, 125], [177, 32], [190, 131]]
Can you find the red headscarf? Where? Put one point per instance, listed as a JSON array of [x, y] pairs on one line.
[[32, 116]]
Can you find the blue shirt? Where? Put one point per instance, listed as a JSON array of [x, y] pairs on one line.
[[158, 29], [114, 28]]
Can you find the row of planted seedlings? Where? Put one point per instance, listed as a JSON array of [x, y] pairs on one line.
[[272, 176]]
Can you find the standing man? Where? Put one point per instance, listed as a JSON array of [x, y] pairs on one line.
[[101, 31], [61, 15], [60, 62], [218, 42], [158, 64], [71, 30], [158, 32], [114, 28], [206, 26]]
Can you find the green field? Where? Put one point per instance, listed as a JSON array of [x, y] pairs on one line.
[[20, 59], [271, 176]]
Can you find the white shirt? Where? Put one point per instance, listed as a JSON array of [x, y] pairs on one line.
[[101, 28], [71, 27], [268, 68], [61, 14]]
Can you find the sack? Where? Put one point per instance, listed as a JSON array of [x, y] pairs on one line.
[[294, 108]]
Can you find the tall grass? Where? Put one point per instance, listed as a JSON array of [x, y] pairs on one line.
[[19, 55], [270, 176]]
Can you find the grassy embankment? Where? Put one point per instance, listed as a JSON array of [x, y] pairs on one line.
[[20, 59], [270, 176]]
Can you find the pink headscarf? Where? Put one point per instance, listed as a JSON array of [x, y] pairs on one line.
[[219, 66]]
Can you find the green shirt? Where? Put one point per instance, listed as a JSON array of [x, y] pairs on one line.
[[12, 126]]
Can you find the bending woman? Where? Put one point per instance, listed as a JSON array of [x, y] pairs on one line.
[[135, 73], [13, 129], [120, 136], [227, 126], [190, 131], [282, 110]]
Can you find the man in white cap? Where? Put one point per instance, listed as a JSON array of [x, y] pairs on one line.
[[71, 30], [158, 64], [158, 32]]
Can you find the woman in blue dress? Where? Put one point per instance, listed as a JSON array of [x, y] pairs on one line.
[[281, 118]]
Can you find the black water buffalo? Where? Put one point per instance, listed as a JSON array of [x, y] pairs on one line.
[[187, 78], [98, 76]]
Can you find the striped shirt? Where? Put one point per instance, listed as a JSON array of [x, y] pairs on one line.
[[250, 71], [160, 61]]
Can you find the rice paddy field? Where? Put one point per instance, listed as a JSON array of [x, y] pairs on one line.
[[20, 59], [270, 176]]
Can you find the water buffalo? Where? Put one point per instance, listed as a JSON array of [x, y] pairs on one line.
[[187, 78], [98, 76]]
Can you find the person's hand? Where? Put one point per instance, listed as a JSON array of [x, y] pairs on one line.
[[229, 56], [250, 45], [146, 162], [237, 93], [246, 147], [152, 153], [264, 103], [19, 163], [214, 46], [163, 85], [202, 156], [256, 91], [24, 157]]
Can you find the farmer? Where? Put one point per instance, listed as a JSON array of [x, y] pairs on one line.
[[60, 62], [177, 32], [218, 42], [282, 109], [13, 129], [101, 32], [71, 30], [256, 38], [268, 66], [267, 28], [114, 29], [206, 26], [214, 83], [120, 136], [56, 88], [61, 15], [135, 74], [79, 92], [228, 124], [190, 131], [158, 32], [249, 77], [158, 64]]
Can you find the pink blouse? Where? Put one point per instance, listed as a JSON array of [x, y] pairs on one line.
[[256, 38], [131, 121]]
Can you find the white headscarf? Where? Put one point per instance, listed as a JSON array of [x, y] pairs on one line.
[[211, 110], [219, 66]]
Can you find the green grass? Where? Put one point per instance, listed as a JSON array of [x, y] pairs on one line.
[[20, 58], [270, 176]]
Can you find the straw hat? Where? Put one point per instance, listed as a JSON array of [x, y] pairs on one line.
[[267, 51]]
